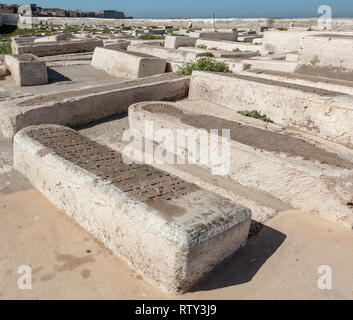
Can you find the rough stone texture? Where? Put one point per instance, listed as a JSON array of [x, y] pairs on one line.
[[120, 63], [345, 87], [116, 44], [57, 37], [328, 55], [171, 231], [275, 65], [227, 36], [166, 53], [3, 70], [55, 48], [305, 173], [222, 54], [283, 41], [82, 106], [153, 43], [249, 38], [174, 42], [325, 113], [223, 45], [27, 69]]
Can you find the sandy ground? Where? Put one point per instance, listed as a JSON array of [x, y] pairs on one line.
[[281, 262]]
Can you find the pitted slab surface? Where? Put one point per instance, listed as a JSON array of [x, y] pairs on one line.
[[299, 87], [142, 182], [59, 96], [253, 136]]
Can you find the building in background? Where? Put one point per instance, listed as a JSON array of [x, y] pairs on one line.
[[111, 14], [10, 9], [34, 11]]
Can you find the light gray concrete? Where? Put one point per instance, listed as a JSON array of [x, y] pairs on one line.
[[84, 105], [166, 53], [111, 44], [57, 37], [130, 65], [227, 36], [172, 242], [327, 54], [306, 173], [174, 42], [223, 45], [231, 23], [325, 113], [27, 69], [55, 48]]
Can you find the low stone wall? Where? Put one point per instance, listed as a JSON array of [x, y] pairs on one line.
[[328, 114], [168, 230], [248, 23], [121, 63], [57, 48], [79, 107], [27, 69]]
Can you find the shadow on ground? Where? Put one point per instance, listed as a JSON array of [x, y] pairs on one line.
[[101, 121], [241, 267], [54, 76]]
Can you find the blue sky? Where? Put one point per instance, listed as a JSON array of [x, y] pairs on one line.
[[204, 8]]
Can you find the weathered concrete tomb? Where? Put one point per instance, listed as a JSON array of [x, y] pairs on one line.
[[79, 107], [27, 69], [121, 63], [318, 56], [57, 37], [171, 231], [326, 113], [306, 172], [174, 42], [166, 53], [41, 49]]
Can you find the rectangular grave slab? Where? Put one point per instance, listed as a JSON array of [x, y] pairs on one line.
[[57, 37], [79, 107], [211, 34], [27, 69], [169, 230], [221, 54], [228, 36], [120, 63], [223, 45], [306, 80], [56, 48], [174, 42], [166, 53], [325, 113], [111, 44], [307, 173]]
